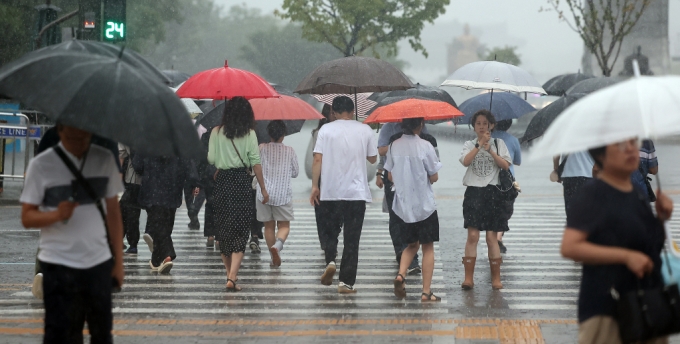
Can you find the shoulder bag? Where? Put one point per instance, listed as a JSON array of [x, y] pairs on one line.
[[506, 182], [556, 176], [650, 192], [249, 170], [80, 179]]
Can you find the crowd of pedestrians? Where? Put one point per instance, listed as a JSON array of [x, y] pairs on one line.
[[245, 185]]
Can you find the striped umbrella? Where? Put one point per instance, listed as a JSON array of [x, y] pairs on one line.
[[363, 104]]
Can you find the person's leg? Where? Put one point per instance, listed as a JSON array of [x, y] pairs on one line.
[[428, 267], [332, 219], [495, 259], [226, 260], [470, 257], [395, 221], [64, 309], [188, 200], [492, 245], [132, 232], [162, 241], [320, 225], [236, 259], [270, 233], [407, 256], [97, 281], [353, 217], [283, 230]]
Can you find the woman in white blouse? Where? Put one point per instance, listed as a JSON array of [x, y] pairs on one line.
[[483, 204]]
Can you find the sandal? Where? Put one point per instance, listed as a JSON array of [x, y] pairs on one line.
[[233, 289], [400, 286], [429, 297]]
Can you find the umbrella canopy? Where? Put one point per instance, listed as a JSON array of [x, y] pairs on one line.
[[294, 114], [176, 77], [493, 75], [104, 96], [412, 107], [362, 102], [505, 106], [226, 83], [591, 85], [191, 107], [544, 117], [109, 50], [354, 74], [559, 85], [643, 107], [422, 91]]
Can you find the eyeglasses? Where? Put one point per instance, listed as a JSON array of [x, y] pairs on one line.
[[633, 143]]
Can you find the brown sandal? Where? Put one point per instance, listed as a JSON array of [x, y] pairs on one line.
[[429, 297], [400, 286], [233, 289]]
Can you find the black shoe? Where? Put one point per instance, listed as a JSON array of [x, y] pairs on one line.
[[255, 245], [502, 247], [194, 224]]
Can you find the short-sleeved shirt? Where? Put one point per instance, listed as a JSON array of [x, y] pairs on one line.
[[80, 242], [579, 164], [221, 151], [647, 160], [613, 218], [513, 147], [390, 129], [279, 165], [483, 170], [411, 160], [345, 144]]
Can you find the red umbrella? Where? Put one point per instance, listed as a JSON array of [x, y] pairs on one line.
[[226, 83], [283, 108], [428, 109]]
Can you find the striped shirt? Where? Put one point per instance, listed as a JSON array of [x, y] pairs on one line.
[[279, 165], [647, 160]]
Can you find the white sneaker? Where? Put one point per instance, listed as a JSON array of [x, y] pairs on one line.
[[346, 288], [165, 266], [37, 287], [153, 268], [149, 241], [327, 277]]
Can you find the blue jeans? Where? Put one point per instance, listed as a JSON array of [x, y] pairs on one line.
[[396, 223]]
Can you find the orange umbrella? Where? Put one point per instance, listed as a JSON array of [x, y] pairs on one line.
[[283, 108], [428, 109]]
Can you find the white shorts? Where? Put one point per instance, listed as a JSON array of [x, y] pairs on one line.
[[266, 213]]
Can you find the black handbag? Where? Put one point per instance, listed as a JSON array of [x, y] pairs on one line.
[[506, 182], [646, 314]]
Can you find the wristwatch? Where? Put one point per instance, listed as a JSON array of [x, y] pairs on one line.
[[379, 174], [477, 145]]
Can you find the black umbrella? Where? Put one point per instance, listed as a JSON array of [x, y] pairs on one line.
[[544, 117], [104, 96], [109, 50], [591, 85], [422, 91], [176, 77], [213, 117], [559, 85]]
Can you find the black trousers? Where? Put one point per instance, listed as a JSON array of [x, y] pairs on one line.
[[571, 186], [130, 223], [74, 296], [397, 225], [323, 227], [256, 226], [193, 205], [349, 215], [159, 224], [209, 229]]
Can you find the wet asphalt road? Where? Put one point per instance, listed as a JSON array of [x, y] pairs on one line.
[[538, 302]]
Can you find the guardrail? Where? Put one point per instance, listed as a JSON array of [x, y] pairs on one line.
[[19, 132]]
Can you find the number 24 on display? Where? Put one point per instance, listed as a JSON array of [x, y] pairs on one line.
[[113, 28]]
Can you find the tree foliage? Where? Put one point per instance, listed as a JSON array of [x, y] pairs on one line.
[[355, 26], [505, 54], [602, 25]]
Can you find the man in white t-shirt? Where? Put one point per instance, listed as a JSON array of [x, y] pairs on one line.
[[75, 255], [341, 149]]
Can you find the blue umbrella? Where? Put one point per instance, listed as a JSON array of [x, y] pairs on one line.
[[505, 106]]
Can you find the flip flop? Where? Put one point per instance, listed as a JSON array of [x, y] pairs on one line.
[[400, 287]]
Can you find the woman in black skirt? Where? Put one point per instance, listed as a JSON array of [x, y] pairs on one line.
[[483, 205], [234, 152]]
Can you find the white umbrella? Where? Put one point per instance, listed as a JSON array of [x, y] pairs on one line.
[[642, 107], [494, 75]]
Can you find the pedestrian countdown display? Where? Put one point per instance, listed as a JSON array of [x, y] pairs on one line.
[[115, 26]]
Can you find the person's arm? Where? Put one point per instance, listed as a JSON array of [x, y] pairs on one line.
[[434, 178], [382, 151], [517, 158], [653, 170], [260, 180], [314, 198], [432, 164], [372, 148], [576, 247], [502, 157], [389, 176], [372, 159], [294, 163], [114, 222], [212, 147], [33, 217], [556, 162], [469, 153]]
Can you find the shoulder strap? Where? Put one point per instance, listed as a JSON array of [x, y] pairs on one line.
[[88, 189], [237, 153], [560, 167], [495, 142]]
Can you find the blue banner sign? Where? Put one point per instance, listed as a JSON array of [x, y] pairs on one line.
[[9, 132]]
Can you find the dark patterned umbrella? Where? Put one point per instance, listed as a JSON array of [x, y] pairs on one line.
[[591, 85], [422, 91], [540, 123]]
